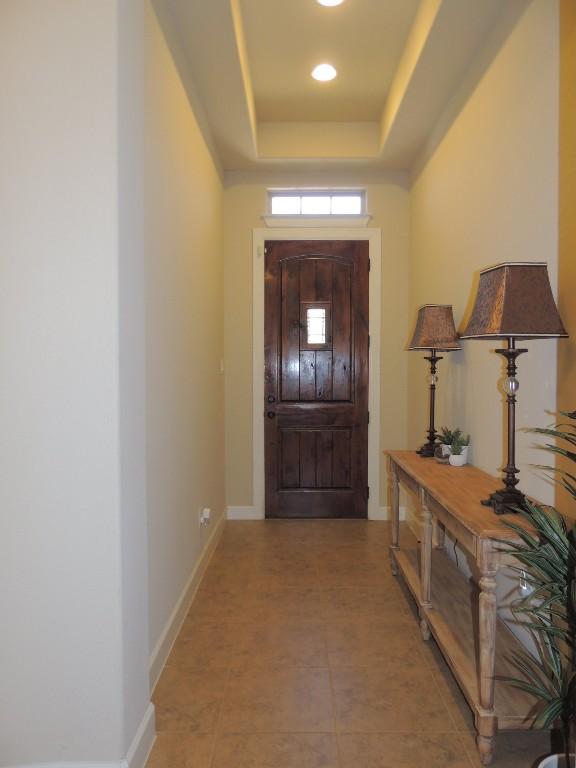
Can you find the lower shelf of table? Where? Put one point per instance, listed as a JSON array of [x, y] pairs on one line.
[[453, 621]]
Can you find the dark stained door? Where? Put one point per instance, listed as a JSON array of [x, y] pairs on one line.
[[316, 379]]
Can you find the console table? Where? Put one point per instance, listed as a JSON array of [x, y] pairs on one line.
[[460, 613]]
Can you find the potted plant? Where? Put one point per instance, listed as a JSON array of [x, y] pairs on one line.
[[446, 438], [459, 449], [547, 555]]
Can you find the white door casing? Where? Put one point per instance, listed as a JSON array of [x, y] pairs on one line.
[[374, 238]]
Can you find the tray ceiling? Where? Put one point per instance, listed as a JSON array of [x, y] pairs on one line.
[[363, 39], [246, 66]]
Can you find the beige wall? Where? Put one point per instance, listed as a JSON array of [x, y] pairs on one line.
[[244, 205], [185, 432], [567, 241], [488, 194]]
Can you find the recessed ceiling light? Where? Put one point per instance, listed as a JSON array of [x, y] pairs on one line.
[[324, 72], [330, 3]]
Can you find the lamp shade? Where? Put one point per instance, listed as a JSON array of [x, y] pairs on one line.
[[435, 329], [514, 300]]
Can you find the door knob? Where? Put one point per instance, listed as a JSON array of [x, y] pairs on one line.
[[271, 399], [271, 415]]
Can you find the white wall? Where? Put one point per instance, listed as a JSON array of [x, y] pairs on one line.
[[489, 193], [74, 684], [184, 318], [132, 372]]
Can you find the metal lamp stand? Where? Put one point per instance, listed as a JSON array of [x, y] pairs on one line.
[[427, 450], [509, 498]]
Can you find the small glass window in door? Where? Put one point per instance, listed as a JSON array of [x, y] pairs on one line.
[[316, 325]]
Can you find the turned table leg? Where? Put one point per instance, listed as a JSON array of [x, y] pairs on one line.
[[425, 566], [487, 607], [437, 534], [394, 506]]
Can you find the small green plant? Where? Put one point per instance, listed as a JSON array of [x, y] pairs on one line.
[[459, 442], [447, 436], [547, 555]]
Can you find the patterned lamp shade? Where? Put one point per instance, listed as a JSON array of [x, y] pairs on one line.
[[435, 329], [514, 300]]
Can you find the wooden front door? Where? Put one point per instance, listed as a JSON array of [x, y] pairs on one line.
[[316, 378]]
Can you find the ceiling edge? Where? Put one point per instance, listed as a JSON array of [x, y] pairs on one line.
[[182, 63], [417, 39], [245, 70], [314, 178]]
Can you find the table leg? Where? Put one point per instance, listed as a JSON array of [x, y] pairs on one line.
[[394, 506], [437, 534], [487, 607], [425, 565]]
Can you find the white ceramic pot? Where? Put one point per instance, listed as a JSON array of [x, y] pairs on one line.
[[446, 450], [460, 459], [553, 761]]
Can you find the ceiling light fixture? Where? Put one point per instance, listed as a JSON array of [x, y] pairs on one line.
[[330, 3], [324, 72]]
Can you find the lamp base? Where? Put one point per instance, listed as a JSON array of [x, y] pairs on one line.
[[427, 450], [505, 501]]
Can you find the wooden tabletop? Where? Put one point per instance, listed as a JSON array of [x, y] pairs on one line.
[[459, 490]]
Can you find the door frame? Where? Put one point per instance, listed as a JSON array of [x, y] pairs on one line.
[[374, 238]]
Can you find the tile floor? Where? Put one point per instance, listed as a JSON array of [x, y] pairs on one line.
[[301, 650]]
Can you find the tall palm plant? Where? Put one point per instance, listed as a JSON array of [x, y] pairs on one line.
[[547, 556]]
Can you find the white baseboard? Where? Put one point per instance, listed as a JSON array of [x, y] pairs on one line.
[[164, 645], [143, 741], [70, 764], [243, 513], [384, 514]]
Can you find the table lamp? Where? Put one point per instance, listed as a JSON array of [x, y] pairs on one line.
[[435, 332], [514, 301]]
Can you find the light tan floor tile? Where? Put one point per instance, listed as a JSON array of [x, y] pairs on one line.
[[284, 644], [375, 700], [514, 749], [281, 570], [363, 604], [289, 604], [371, 644], [228, 578], [189, 701], [276, 751], [400, 750], [350, 572], [236, 560], [181, 750], [278, 700], [225, 605], [204, 645]]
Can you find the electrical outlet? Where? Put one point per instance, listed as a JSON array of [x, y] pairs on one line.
[[204, 517], [525, 587]]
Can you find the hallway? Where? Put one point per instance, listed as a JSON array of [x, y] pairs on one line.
[[302, 651]]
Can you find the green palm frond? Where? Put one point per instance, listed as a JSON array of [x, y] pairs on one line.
[[546, 556]]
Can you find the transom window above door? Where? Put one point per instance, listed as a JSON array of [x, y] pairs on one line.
[[316, 202]]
